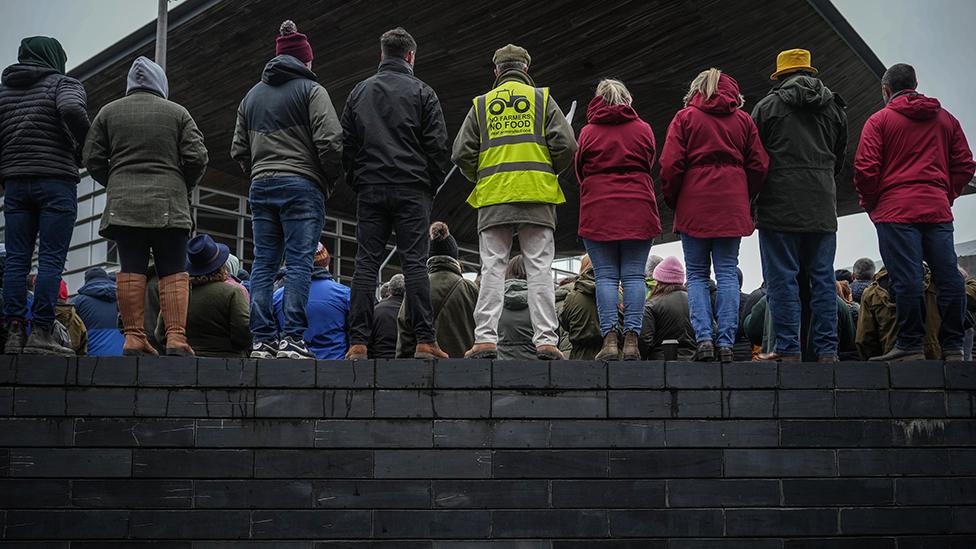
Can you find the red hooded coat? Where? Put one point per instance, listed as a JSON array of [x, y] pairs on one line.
[[613, 166], [912, 162], [712, 165]]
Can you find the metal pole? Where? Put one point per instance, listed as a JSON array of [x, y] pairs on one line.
[[162, 23]]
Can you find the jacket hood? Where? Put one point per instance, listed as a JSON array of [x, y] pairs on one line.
[[598, 112], [585, 284], [804, 91], [146, 75], [442, 263], [915, 106], [562, 292], [285, 68], [516, 294], [23, 76], [99, 288], [725, 99], [42, 51]]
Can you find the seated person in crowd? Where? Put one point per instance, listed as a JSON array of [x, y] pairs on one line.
[[666, 315], [66, 315], [383, 340], [452, 300], [759, 327], [98, 308], [217, 320], [563, 288], [515, 325], [579, 316], [327, 310]]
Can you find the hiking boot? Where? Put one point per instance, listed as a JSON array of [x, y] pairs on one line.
[[428, 351], [294, 348], [610, 351], [725, 354], [631, 349], [264, 349], [482, 350], [899, 355], [131, 293], [174, 299], [16, 337], [828, 359], [952, 356], [705, 352], [42, 342], [357, 352], [549, 352], [776, 357]]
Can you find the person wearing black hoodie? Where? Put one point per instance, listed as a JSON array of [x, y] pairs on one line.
[[97, 307], [43, 123], [803, 127], [289, 142]]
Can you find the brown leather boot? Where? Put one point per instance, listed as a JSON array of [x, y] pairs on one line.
[[482, 350], [631, 349], [549, 352], [610, 350], [174, 299], [357, 352], [130, 289], [429, 351], [776, 357]]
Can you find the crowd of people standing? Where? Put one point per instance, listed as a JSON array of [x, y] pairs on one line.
[[723, 171]]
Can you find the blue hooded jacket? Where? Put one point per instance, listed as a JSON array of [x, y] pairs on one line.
[[97, 307], [328, 313]]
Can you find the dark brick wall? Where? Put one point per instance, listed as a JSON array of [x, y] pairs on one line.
[[472, 454]]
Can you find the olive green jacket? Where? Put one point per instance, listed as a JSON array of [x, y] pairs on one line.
[[581, 320], [148, 153], [217, 321], [452, 301]]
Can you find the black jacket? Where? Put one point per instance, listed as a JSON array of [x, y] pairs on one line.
[[43, 123], [803, 127], [287, 124], [383, 341], [393, 131], [667, 317]]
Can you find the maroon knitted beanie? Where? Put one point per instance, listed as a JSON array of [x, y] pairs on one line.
[[293, 43]]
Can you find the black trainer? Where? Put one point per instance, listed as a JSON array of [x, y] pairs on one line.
[[16, 336], [264, 349], [705, 352], [43, 342], [293, 347]]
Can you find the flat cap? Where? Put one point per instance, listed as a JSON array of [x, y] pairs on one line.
[[512, 54]]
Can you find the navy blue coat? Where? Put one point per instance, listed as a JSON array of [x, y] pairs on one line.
[[97, 307]]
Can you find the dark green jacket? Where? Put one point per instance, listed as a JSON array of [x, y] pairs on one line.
[[565, 345], [667, 317], [148, 152], [217, 321], [803, 127], [452, 300], [581, 320], [515, 324]]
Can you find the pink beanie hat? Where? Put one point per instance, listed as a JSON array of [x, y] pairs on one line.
[[670, 271]]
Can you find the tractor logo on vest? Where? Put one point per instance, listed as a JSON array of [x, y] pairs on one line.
[[505, 99]]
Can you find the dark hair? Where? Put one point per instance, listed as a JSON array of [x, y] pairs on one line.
[[738, 274], [900, 76], [841, 275], [516, 268], [864, 269], [397, 43], [663, 289]]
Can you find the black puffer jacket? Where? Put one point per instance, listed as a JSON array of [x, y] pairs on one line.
[[43, 123]]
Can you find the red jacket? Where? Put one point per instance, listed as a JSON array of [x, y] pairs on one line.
[[613, 166], [912, 162], [712, 165]]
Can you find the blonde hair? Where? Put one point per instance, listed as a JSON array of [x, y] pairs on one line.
[[613, 92], [705, 83]]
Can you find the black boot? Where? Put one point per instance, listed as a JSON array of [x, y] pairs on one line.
[[42, 342], [725, 354], [899, 355], [705, 352], [16, 335]]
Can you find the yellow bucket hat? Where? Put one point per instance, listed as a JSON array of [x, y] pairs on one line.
[[791, 61]]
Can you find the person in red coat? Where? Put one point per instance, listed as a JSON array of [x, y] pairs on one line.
[[618, 212], [912, 163], [712, 165]]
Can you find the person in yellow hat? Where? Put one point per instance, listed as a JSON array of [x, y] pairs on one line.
[[513, 144], [803, 126]]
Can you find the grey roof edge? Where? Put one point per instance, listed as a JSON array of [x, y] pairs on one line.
[[139, 38], [842, 27]]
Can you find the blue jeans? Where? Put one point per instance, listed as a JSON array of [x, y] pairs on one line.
[[790, 260], [288, 214], [700, 254], [47, 207], [616, 263], [903, 248]]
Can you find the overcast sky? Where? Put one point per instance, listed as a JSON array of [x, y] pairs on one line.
[[935, 36]]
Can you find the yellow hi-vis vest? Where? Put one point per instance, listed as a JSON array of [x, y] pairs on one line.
[[514, 163]]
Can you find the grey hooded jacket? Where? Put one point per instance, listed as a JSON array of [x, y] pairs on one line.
[[148, 152]]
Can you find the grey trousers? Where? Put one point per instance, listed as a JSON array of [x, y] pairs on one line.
[[538, 250]]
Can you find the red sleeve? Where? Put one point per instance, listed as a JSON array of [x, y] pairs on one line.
[[674, 162], [867, 165], [961, 165], [755, 159]]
